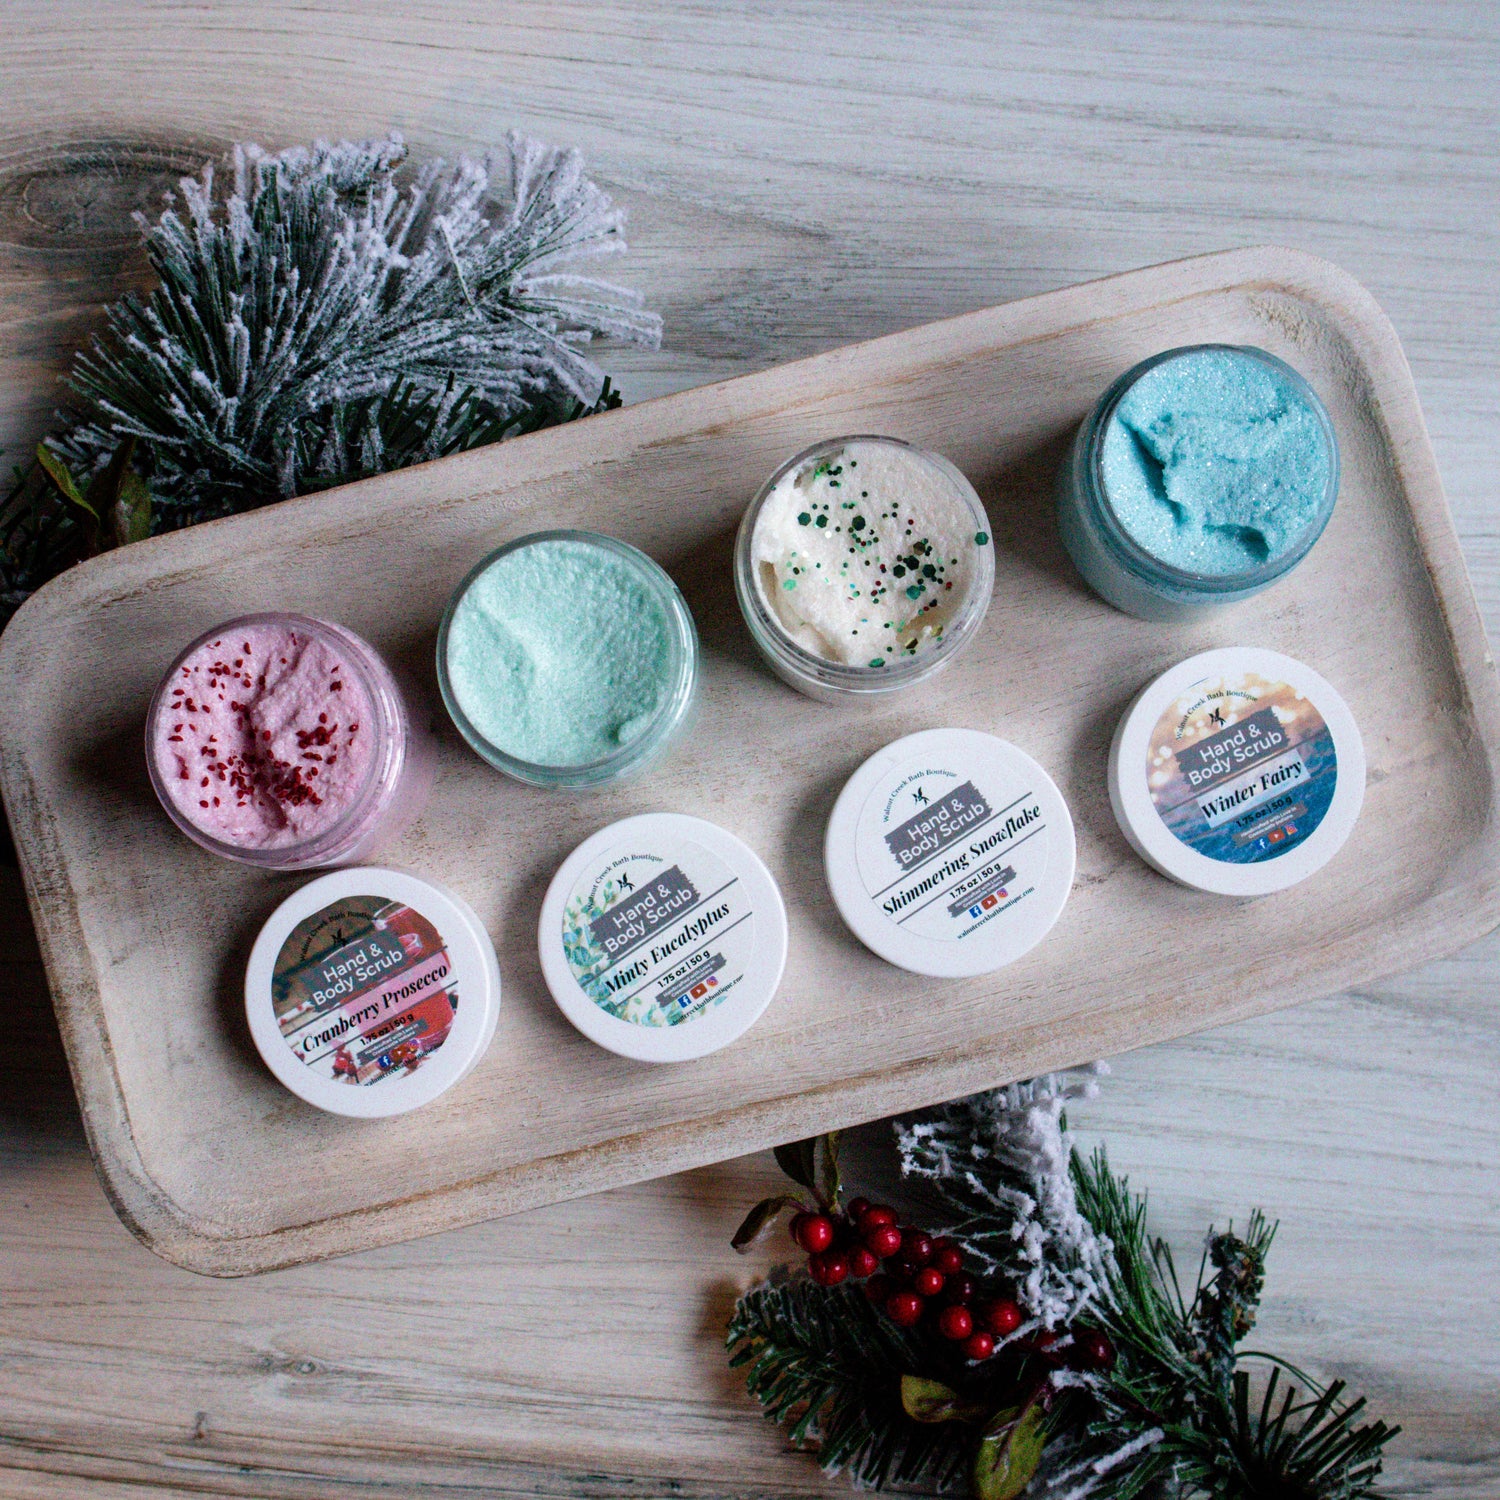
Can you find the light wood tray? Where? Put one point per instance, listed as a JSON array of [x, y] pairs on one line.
[[145, 937]]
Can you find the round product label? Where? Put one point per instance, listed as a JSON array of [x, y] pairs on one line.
[[1241, 767], [352, 992], [658, 938], [950, 852], [364, 990], [1238, 772], [662, 937]]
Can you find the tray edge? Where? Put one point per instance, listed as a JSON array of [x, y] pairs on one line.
[[171, 1233]]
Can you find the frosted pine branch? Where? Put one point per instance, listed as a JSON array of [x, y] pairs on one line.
[[331, 315], [1001, 1164], [1140, 1389]]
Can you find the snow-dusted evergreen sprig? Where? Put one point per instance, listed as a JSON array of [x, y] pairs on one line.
[[1000, 1164], [1122, 1386], [330, 316]]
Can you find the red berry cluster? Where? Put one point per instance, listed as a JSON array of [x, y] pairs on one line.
[[907, 1273]]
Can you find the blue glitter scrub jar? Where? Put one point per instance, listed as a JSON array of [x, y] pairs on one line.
[[568, 659], [1202, 476]]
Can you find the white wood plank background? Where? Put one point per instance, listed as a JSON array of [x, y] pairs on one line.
[[799, 176]]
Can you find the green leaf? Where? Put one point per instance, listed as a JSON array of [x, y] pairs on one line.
[[796, 1160], [119, 495], [130, 516], [758, 1221], [57, 472], [1009, 1453], [105, 485], [926, 1400], [813, 1164]]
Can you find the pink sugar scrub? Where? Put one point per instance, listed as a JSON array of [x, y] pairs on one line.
[[264, 736]]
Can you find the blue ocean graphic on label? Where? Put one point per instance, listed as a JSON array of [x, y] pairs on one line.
[[1241, 768]]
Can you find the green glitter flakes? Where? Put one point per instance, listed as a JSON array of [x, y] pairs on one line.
[[873, 557]]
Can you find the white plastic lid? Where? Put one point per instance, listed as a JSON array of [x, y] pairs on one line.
[[662, 937], [370, 991], [950, 853], [1239, 772]]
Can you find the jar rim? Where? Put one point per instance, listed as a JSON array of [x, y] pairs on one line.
[[771, 637], [1146, 566], [657, 734], [381, 776]]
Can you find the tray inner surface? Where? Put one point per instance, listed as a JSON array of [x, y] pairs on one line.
[[146, 936]]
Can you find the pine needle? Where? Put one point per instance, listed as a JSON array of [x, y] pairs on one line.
[[328, 314], [1174, 1413]]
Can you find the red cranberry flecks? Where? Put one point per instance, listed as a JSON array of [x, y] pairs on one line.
[[828, 1268], [1003, 1318], [257, 738], [904, 1309], [979, 1345]]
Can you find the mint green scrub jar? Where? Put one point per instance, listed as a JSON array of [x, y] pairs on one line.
[[1202, 476], [567, 659]]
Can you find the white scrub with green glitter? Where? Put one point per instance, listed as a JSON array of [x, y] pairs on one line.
[[865, 554]]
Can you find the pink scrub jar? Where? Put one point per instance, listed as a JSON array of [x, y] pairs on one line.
[[285, 742]]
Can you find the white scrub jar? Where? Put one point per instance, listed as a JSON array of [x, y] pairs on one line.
[[863, 565]]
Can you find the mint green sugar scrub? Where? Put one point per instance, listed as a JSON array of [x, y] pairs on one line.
[[1215, 461], [567, 652], [1201, 476]]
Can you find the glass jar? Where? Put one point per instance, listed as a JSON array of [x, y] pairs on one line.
[[246, 730], [532, 601], [819, 675], [1129, 575]]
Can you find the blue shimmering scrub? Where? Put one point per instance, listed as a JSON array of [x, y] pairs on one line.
[[560, 653], [1215, 463]]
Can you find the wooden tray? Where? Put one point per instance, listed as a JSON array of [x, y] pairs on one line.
[[219, 1169]]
